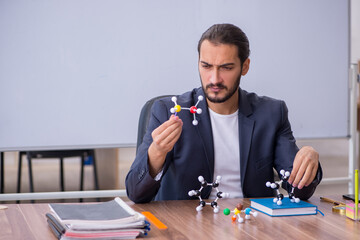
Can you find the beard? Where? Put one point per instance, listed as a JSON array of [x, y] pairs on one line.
[[229, 92]]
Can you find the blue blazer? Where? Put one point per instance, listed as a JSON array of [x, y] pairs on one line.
[[265, 141]]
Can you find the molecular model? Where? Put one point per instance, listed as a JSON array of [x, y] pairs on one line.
[[193, 109], [237, 213], [276, 185], [204, 184]]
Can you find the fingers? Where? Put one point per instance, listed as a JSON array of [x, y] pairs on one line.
[[297, 175], [312, 175], [164, 139], [296, 166], [173, 120], [166, 135], [308, 176], [304, 167]]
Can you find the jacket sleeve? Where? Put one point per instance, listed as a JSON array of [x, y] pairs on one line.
[[140, 186], [285, 152]]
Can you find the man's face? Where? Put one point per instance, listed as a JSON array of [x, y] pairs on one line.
[[220, 70]]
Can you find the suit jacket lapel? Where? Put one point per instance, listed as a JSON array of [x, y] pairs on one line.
[[246, 127], [205, 132]]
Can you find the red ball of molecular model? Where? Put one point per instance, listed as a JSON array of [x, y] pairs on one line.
[[204, 184], [237, 213], [193, 109], [276, 185]]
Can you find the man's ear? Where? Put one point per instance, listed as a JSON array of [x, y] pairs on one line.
[[245, 67]]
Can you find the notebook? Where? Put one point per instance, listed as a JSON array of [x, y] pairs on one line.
[[288, 208], [107, 220], [106, 213]]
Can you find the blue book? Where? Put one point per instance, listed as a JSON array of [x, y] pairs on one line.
[[288, 208]]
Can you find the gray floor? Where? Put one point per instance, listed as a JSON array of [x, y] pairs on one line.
[[333, 157]]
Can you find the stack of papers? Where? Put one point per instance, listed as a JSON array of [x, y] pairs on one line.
[[108, 220]]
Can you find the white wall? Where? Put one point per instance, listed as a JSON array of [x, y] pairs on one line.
[[355, 31], [75, 74]]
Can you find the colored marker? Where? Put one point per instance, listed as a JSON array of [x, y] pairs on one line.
[[356, 193]]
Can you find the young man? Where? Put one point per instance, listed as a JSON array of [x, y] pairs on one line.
[[239, 135]]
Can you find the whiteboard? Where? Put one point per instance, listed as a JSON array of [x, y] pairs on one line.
[[75, 74]]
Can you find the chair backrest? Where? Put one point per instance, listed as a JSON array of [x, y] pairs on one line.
[[144, 118]]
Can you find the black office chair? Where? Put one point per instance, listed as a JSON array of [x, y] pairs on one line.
[[59, 155], [144, 118]]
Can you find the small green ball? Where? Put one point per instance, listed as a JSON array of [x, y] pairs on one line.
[[226, 211]]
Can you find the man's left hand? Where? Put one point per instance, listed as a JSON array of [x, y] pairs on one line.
[[305, 167]]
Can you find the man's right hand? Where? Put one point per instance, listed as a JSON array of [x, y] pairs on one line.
[[164, 138]]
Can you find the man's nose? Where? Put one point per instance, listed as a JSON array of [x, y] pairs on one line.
[[215, 76]]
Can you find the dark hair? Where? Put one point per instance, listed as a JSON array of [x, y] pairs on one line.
[[227, 34]]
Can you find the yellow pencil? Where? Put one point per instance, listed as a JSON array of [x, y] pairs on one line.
[[356, 193]]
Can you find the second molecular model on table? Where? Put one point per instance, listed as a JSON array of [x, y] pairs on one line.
[[238, 211], [219, 194], [276, 185]]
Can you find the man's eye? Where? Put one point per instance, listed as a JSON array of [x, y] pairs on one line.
[[227, 68], [206, 66]]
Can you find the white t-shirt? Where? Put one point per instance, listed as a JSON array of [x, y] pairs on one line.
[[225, 130]]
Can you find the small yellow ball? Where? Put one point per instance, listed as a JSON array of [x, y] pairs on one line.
[[236, 211], [177, 108]]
